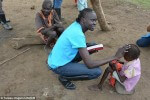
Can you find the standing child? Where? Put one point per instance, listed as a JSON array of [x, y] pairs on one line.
[[129, 75], [81, 4]]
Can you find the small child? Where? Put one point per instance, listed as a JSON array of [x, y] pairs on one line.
[[81, 4], [129, 74]]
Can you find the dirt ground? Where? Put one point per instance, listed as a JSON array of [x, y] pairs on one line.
[[28, 75]]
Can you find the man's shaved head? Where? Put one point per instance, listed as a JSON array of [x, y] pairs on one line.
[[46, 3]]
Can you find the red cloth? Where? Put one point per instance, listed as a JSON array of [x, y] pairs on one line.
[[118, 67]]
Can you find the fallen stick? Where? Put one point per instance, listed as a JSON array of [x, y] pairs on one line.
[[6, 37], [14, 57]]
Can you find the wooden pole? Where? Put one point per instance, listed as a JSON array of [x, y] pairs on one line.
[[100, 15]]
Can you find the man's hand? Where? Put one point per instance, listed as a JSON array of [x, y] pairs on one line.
[[93, 51], [58, 25], [121, 51]]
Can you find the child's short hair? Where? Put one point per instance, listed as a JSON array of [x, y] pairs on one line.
[[133, 53]]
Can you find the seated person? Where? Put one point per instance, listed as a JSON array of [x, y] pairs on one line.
[[3, 20], [48, 24], [144, 41], [49, 27], [129, 74]]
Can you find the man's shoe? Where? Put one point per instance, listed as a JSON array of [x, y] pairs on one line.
[[66, 83], [6, 26]]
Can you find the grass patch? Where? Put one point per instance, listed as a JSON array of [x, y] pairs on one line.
[[142, 3]]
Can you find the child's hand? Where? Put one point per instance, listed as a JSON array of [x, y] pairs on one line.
[[113, 66]]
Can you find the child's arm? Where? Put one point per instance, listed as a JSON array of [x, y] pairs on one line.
[[121, 78], [121, 62]]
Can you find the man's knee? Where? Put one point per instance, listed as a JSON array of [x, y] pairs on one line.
[[96, 73], [52, 34], [60, 29]]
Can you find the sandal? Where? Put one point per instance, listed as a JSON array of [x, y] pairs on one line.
[[66, 83]]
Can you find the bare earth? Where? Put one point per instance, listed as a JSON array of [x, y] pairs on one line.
[[28, 75]]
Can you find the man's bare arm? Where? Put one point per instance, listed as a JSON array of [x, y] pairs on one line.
[[45, 31], [92, 63]]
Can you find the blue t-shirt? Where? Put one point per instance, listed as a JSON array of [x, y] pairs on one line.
[[146, 35], [67, 46]]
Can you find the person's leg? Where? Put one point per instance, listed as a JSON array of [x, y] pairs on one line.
[[120, 89], [78, 69], [2, 15], [75, 71], [59, 31], [57, 3], [58, 11], [5, 23], [143, 42], [119, 86], [105, 75], [3, 18], [98, 87], [57, 6]]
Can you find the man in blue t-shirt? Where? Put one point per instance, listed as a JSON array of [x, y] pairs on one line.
[[70, 48]]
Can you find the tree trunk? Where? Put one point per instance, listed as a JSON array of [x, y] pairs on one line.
[[100, 15], [31, 40]]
